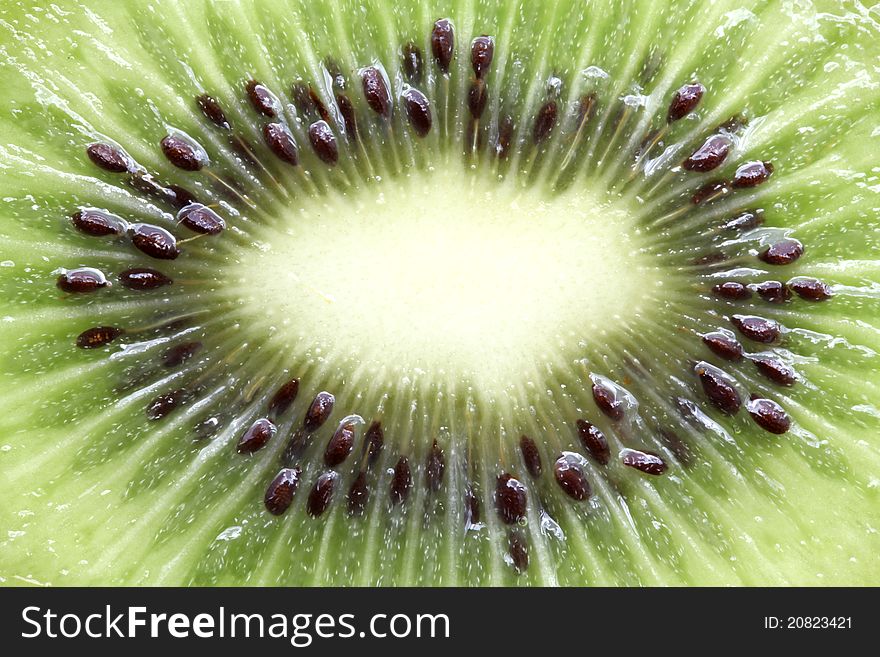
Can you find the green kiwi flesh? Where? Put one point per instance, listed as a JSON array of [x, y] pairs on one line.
[[573, 293]]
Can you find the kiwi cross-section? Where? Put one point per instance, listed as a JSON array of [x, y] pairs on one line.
[[463, 293]]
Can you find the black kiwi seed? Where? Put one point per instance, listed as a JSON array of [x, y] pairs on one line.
[[676, 445], [179, 354], [687, 409], [108, 157], [97, 336], [505, 136], [374, 438], [256, 437], [243, 150], [322, 493], [435, 466], [401, 481], [607, 401], [307, 100], [261, 98], [418, 110], [301, 99], [810, 289], [586, 108], [376, 91], [531, 456], [318, 104], [281, 142], [518, 548], [714, 257], [162, 405], [752, 174], [97, 223], [280, 492], [710, 190], [510, 498], [413, 63], [594, 441], [319, 411], [684, 101], [334, 70], [358, 494], [745, 220], [179, 197], [646, 462], [283, 398], [201, 219], [733, 124], [443, 44], [207, 428], [718, 389], [147, 184], [154, 241], [783, 252], [756, 328], [340, 445], [773, 291], [768, 415], [571, 478], [775, 370], [141, 278], [84, 279], [711, 258], [723, 344], [545, 121], [182, 153], [324, 142], [710, 155], [471, 507], [731, 290], [477, 97], [482, 51], [212, 111], [294, 448], [349, 119]]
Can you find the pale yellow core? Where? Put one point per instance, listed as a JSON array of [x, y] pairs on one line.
[[451, 273]]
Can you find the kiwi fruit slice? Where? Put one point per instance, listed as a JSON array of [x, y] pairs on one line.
[[468, 293]]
